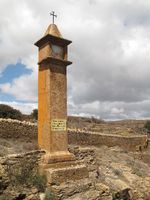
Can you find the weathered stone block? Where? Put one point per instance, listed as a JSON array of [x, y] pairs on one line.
[[64, 171]]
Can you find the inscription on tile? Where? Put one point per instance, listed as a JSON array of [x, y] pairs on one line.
[[58, 125]]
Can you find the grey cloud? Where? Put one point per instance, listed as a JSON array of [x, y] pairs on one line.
[[110, 52], [113, 110]]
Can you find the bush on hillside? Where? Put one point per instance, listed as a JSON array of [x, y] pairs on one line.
[[96, 120], [34, 114], [147, 126], [9, 112]]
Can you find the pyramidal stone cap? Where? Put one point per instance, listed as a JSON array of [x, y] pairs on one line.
[[53, 30], [53, 34]]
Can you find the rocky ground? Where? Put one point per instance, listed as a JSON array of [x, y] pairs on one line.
[[113, 175]]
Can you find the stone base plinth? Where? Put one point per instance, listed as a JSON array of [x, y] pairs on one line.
[[49, 158], [60, 172]]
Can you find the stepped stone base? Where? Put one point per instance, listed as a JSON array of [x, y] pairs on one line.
[[55, 157], [61, 172]]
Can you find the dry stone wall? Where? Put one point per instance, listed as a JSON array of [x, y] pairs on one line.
[[16, 129], [129, 143]]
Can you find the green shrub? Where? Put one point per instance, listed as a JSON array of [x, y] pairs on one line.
[[49, 195], [147, 125], [137, 171], [96, 120], [39, 181], [9, 112], [117, 172], [34, 114], [25, 174], [21, 173]]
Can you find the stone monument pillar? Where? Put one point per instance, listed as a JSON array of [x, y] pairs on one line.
[[52, 95], [52, 106]]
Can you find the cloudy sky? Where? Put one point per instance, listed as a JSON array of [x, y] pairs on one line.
[[110, 74]]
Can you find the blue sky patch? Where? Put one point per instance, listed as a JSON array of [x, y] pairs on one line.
[[12, 72]]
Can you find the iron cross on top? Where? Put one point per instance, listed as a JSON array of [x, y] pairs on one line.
[[53, 15]]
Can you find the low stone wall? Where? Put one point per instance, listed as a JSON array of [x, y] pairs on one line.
[[129, 143], [17, 129]]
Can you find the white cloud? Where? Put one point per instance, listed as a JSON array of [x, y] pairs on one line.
[[23, 88], [117, 111], [110, 52], [112, 110]]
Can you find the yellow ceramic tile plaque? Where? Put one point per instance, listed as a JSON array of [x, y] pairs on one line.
[[58, 125]]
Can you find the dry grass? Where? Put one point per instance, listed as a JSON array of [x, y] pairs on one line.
[[12, 146]]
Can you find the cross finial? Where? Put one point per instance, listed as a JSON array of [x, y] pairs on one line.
[[53, 15]]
